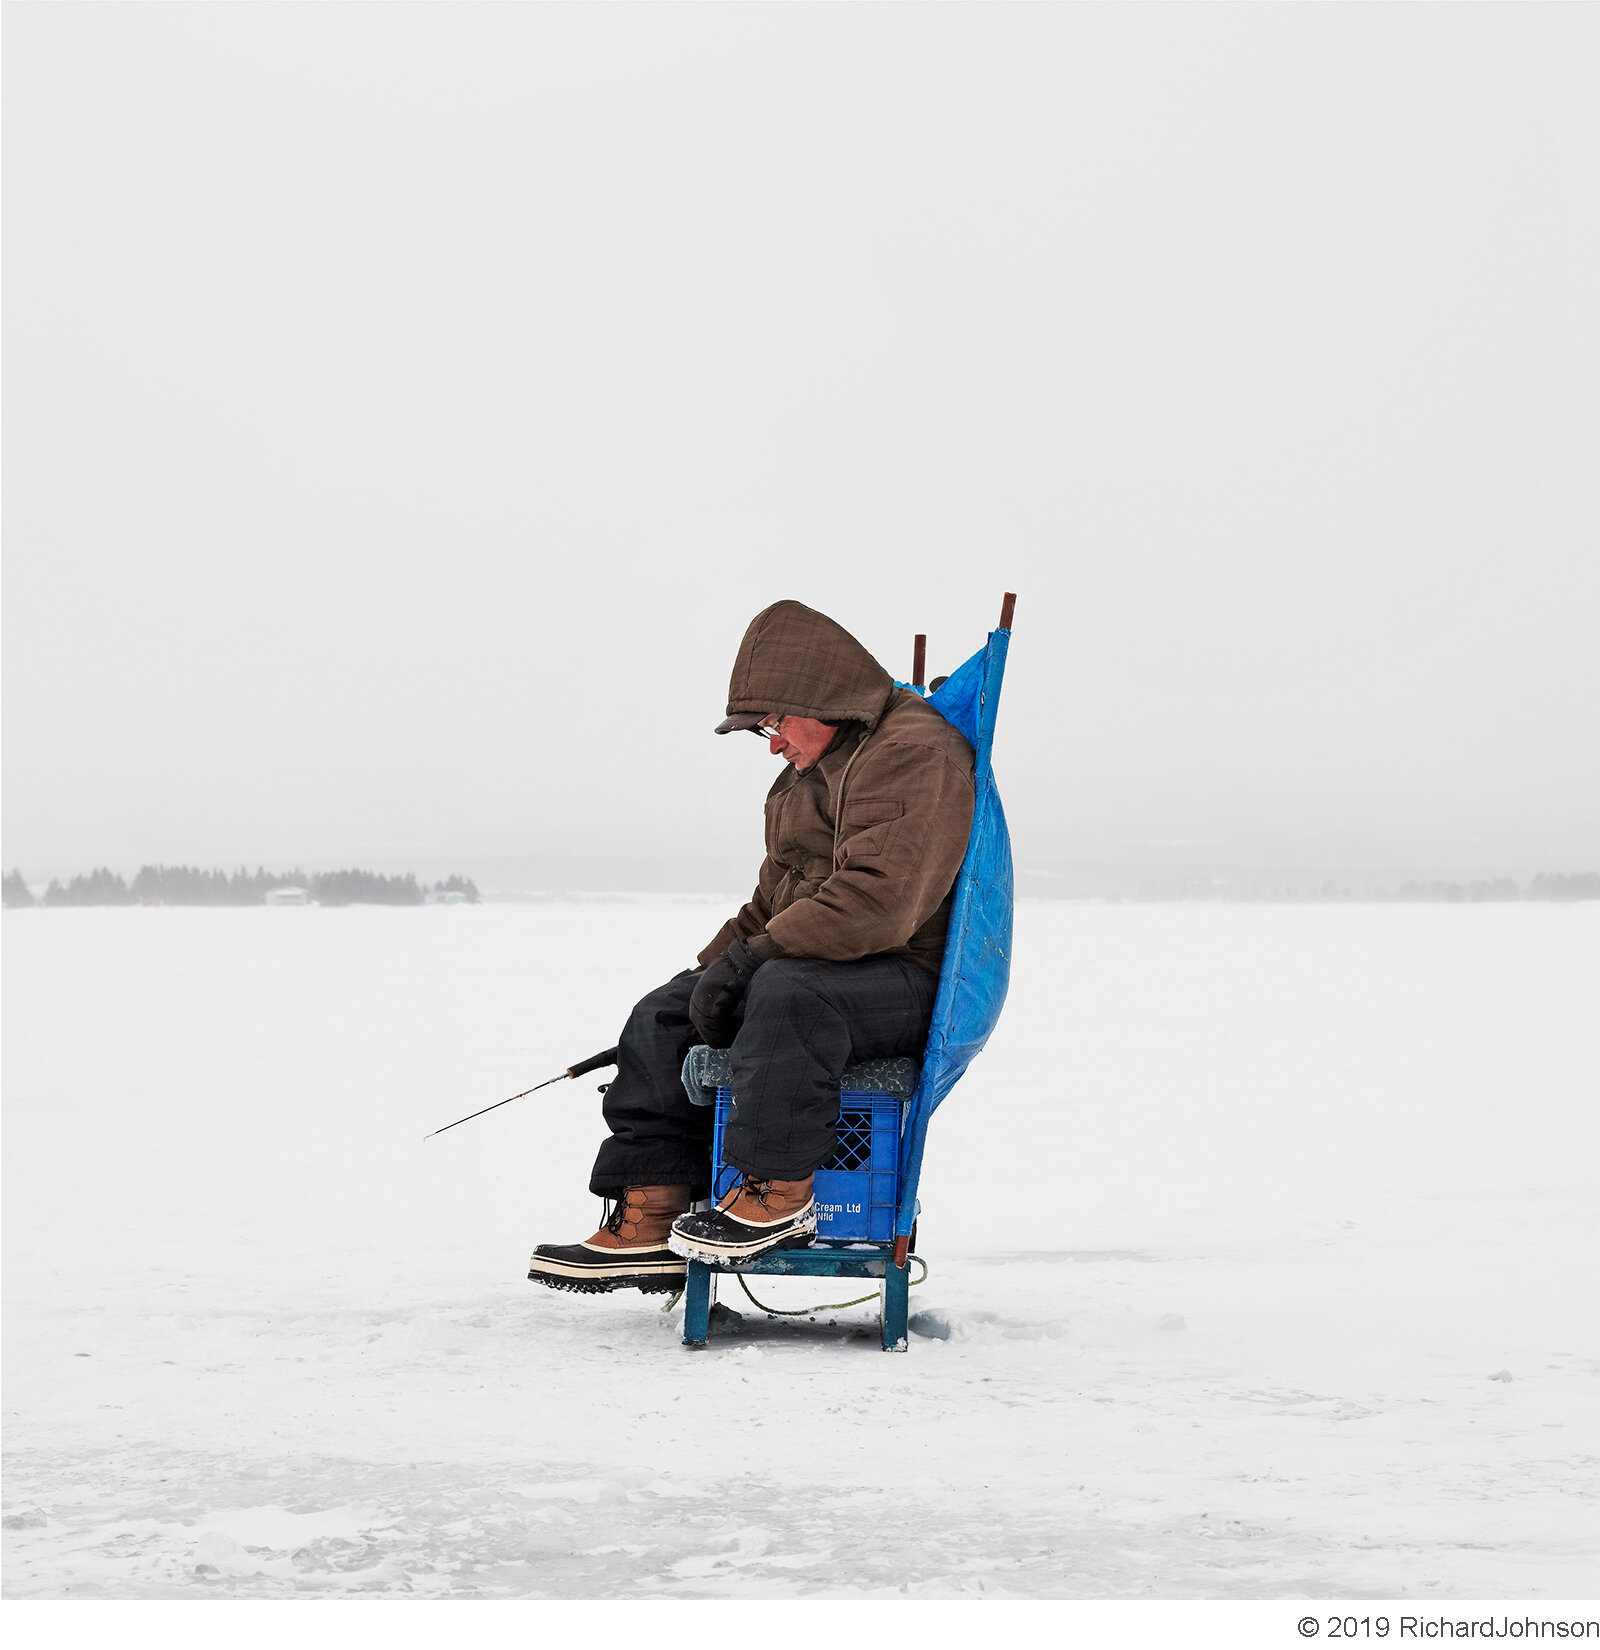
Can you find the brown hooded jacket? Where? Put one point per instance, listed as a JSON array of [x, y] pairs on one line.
[[873, 875]]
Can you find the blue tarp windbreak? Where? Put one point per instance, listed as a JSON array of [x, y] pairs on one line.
[[977, 953]]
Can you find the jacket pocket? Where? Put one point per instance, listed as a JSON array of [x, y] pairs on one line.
[[863, 815]]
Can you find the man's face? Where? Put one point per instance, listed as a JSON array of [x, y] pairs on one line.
[[800, 740]]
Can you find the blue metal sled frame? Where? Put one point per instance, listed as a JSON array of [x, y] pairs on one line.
[[819, 1261], [972, 989]]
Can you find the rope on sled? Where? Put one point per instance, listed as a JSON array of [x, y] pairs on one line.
[[826, 1306], [804, 1311]]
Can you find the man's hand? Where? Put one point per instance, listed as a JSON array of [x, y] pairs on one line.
[[718, 993]]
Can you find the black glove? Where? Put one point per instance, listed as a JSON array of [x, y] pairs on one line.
[[715, 1007]]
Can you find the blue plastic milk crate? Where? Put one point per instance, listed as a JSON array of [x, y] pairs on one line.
[[858, 1188]]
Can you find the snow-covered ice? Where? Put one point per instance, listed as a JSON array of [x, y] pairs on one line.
[[1262, 1242]]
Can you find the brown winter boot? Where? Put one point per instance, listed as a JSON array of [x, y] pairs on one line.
[[628, 1252], [755, 1216]]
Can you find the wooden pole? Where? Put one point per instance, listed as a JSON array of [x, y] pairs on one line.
[[919, 659], [1007, 607]]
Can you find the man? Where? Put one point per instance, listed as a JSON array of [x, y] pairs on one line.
[[835, 959]]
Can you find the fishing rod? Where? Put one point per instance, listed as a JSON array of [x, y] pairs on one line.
[[593, 1063]]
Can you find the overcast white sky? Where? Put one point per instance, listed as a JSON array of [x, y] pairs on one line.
[[407, 408]]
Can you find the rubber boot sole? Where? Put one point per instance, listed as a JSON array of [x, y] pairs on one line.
[[661, 1283], [692, 1249]]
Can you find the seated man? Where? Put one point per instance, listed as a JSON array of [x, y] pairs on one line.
[[835, 959]]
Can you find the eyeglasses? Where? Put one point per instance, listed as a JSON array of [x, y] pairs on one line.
[[770, 729]]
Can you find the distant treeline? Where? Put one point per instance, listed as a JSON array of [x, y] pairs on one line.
[[188, 885], [1582, 885], [1575, 886]]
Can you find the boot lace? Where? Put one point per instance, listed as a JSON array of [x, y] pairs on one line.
[[757, 1190]]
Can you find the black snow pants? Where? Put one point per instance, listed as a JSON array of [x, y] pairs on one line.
[[804, 1022]]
